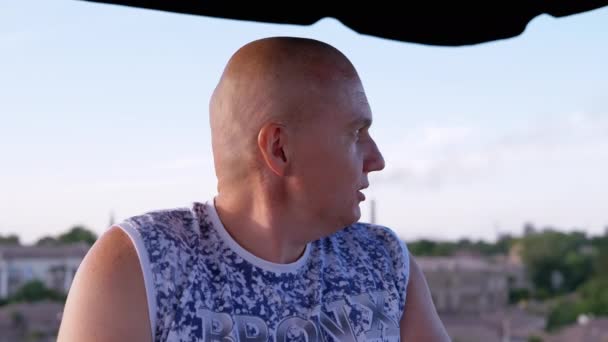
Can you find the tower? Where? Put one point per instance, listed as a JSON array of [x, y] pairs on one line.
[[112, 220], [373, 211]]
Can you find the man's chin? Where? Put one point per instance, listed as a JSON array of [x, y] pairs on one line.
[[354, 218], [344, 221]]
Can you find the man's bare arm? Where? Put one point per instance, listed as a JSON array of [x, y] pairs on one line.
[[107, 300], [420, 322]]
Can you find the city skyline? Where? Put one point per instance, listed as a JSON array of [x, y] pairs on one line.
[[104, 109]]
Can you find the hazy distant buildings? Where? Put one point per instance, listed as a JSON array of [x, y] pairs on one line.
[[55, 266], [471, 294], [466, 284]]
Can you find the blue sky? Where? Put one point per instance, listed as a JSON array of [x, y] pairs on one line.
[[104, 109]]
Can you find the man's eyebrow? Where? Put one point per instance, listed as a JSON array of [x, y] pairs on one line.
[[361, 122]]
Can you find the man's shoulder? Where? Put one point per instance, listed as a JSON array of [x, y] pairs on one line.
[[373, 231], [164, 226], [376, 245], [111, 281], [369, 236], [161, 215]]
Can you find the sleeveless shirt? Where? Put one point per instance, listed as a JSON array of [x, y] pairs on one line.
[[201, 285]]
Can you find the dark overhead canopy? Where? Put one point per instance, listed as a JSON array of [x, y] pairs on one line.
[[449, 23]]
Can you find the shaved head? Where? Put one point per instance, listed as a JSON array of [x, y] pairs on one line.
[[282, 80], [291, 142]]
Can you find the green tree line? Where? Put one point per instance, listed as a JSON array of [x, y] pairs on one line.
[[75, 234]]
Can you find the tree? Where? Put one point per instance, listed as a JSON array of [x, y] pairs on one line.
[[422, 247], [564, 312], [578, 268], [600, 244], [34, 291], [555, 262], [504, 243], [78, 234], [517, 295], [74, 235], [9, 240], [47, 241], [594, 296]]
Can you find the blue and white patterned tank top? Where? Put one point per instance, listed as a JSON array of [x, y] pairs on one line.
[[202, 286]]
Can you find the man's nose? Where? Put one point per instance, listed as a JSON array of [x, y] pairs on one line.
[[374, 160]]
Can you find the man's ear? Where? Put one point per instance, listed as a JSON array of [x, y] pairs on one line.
[[272, 142]]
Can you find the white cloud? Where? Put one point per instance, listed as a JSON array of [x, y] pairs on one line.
[[432, 157], [470, 180]]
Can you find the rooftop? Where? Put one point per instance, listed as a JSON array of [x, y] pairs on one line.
[[31, 252]]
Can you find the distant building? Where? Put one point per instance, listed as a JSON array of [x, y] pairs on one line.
[[30, 321], [465, 284], [586, 330], [509, 325], [471, 294], [55, 266], [470, 284]]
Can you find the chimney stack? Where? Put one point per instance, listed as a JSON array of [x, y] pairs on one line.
[[373, 212]]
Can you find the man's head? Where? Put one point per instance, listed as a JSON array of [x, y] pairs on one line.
[[289, 119]]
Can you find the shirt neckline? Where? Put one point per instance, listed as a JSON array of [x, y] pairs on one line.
[[218, 226]]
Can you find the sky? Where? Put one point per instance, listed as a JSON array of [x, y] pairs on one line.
[[104, 112]]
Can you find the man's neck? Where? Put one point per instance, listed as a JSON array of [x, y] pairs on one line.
[[260, 227]]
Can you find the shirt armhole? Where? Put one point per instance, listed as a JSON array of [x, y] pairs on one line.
[[144, 263], [406, 261]]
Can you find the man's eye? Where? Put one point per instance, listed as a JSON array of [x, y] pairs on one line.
[[358, 134]]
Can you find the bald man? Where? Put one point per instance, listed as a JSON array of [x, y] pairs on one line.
[[278, 254]]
